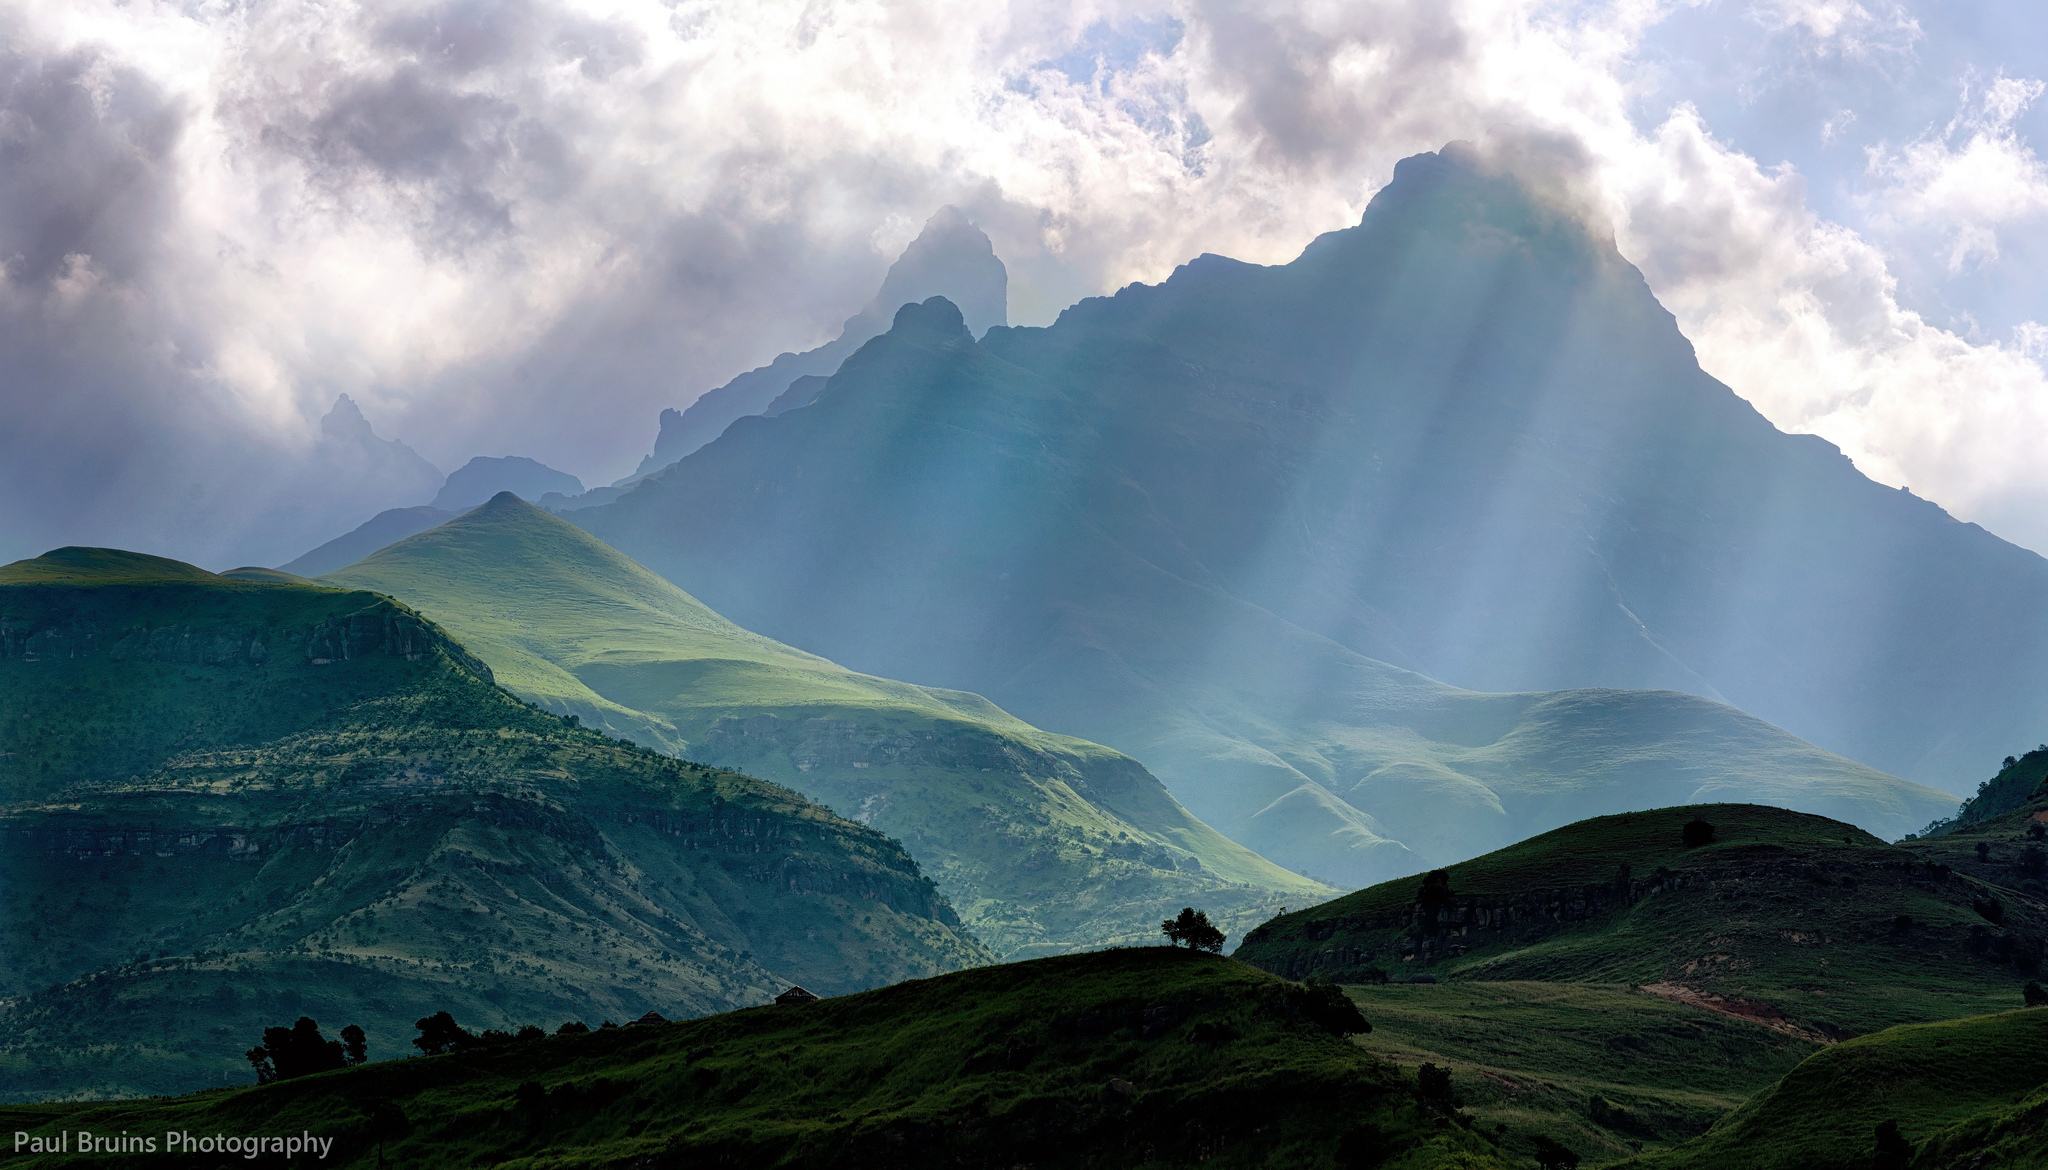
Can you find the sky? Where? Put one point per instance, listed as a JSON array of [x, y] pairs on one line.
[[523, 227]]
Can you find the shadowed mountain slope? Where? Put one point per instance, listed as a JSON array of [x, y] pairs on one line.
[[224, 802], [942, 512], [384, 528], [950, 258], [1044, 843]]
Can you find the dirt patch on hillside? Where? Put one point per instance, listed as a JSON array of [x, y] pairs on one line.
[[1741, 1009]]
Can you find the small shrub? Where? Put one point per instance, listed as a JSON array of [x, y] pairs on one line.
[[1331, 1010], [572, 1028], [1697, 832], [1433, 1084], [2034, 994], [1990, 908], [1552, 1156], [1894, 1152]]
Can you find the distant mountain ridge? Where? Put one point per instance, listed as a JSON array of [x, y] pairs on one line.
[[1042, 842], [950, 257], [942, 512]]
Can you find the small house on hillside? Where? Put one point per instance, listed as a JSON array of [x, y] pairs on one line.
[[652, 1017], [795, 996]]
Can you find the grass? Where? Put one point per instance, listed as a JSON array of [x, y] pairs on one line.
[[1605, 1070], [1043, 842], [1146, 1057], [364, 829], [1954, 1085], [1788, 917]]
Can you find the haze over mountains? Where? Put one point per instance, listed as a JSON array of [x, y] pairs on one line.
[[1042, 842], [1195, 521]]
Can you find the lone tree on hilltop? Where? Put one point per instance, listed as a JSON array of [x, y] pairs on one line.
[[1193, 929], [1698, 831], [301, 1049], [2034, 994], [1330, 1009], [1436, 891]]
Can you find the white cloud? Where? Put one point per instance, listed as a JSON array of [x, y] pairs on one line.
[[523, 227]]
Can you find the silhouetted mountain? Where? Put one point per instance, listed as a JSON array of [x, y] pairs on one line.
[[384, 528], [1179, 521], [950, 258], [483, 477]]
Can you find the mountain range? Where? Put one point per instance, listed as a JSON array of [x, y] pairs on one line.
[[1042, 842], [1223, 524]]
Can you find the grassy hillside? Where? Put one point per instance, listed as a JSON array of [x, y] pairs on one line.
[[1787, 919], [1042, 842], [226, 802], [1967, 1092], [1605, 1070], [1145, 1057]]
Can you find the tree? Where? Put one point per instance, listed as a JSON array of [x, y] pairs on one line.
[[2034, 994], [439, 1034], [1434, 1086], [1983, 851], [296, 1051], [1552, 1156], [386, 1121], [1894, 1152], [1194, 929], [1699, 832], [355, 1047], [572, 1028], [1436, 891], [1330, 1009]]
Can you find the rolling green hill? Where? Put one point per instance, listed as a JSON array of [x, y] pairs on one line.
[[224, 802], [1786, 919], [1146, 1057], [1044, 843], [1968, 1093]]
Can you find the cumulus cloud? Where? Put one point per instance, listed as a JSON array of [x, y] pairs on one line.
[[525, 227]]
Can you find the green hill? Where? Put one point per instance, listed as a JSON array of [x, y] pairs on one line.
[[1044, 843], [1146, 1057], [1968, 1093], [1790, 920], [224, 802]]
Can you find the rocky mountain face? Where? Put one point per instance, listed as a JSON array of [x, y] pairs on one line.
[[950, 258], [1226, 524], [224, 803], [484, 476]]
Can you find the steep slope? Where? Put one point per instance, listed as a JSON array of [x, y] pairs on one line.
[[1959, 1090], [1137, 1058], [1791, 920], [386, 527], [1050, 581], [1042, 842], [950, 257], [226, 801]]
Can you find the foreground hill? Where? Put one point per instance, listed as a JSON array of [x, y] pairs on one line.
[[1050, 578], [225, 802], [1042, 842], [1143, 1057], [1794, 921], [1967, 1093]]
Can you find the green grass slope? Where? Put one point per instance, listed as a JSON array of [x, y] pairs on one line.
[[1146, 1057], [1044, 843], [1605, 1070], [225, 802], [1786, 919], [1966, 1092]]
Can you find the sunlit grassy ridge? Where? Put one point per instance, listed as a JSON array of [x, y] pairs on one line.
[[1143, 1057], [1790, 918], [1043, 842], [226, 802]]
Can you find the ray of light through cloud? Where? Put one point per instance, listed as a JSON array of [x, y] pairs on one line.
[[524, 228]]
